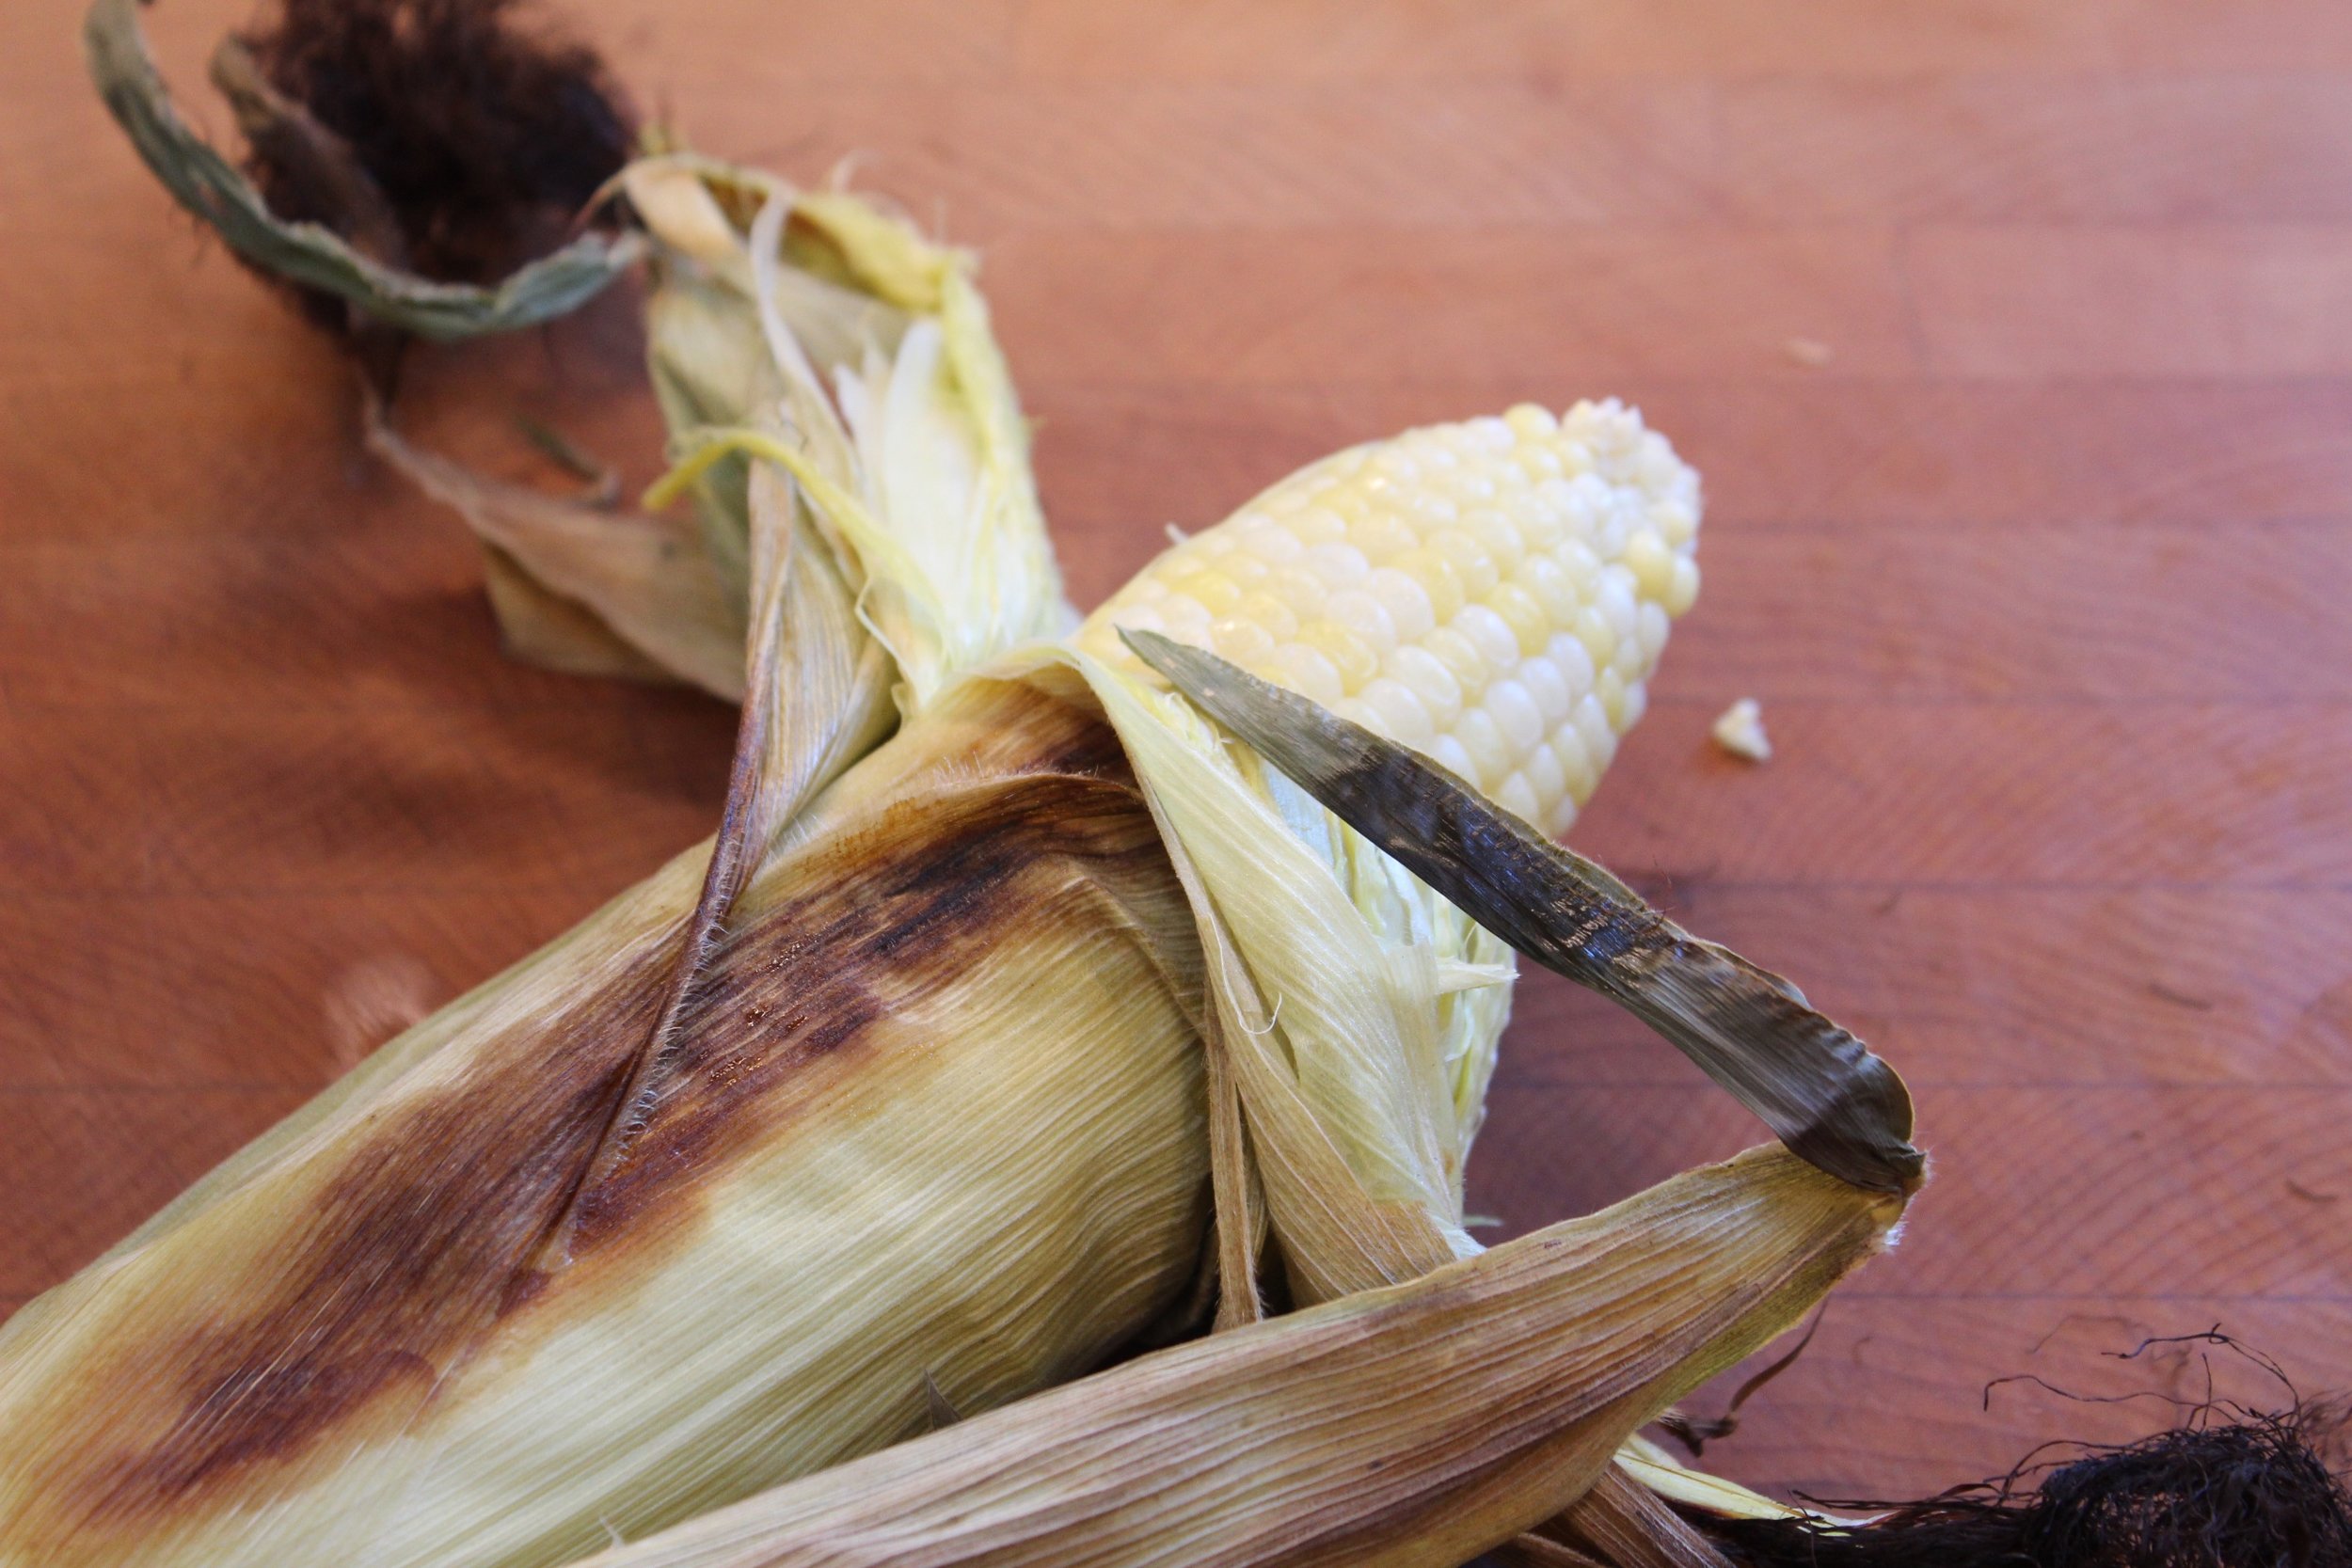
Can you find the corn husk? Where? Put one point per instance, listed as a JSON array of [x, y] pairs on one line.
[[820, 331], [1826, 1095], [530, 1390], [1831, 1099], [418, 1471], [1359, 1013], [1341, 1127], [830, 337], [581, 588], [1414, 1425], [836, 332], [436, 1319]]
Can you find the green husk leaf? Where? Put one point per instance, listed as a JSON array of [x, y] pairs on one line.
[[288, 133], [1820, 1090], [210, 186]]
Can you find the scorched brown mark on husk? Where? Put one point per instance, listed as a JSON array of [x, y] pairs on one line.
[[412, 1248], [433, 1233], [809, 976]]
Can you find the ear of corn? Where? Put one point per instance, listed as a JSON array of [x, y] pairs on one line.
[[777, 1306], [1495, 593], [555, 1369], [488, 1299]]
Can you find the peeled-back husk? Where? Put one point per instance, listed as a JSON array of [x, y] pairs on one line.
[[1409, 1427]]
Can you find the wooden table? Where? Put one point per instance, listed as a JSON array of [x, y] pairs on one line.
[[2014, 340]]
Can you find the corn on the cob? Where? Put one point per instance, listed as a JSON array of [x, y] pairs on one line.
[[419, 1317], [1495, 593]]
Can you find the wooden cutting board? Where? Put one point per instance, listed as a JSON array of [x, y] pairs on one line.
[[2014, 340]]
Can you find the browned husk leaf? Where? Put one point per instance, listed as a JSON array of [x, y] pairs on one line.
[[1409, 1426]]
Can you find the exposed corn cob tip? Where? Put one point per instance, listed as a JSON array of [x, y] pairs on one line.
[[1494, 594]]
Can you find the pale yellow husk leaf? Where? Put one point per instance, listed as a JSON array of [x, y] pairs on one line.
[[1409, 1427], [838, 329]]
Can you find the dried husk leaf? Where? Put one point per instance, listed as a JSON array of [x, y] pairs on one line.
[[1537, 1551], [1819, 1088], [308, 253], [643, 581], [1415, 1425], [537, 626], [1623, 1523]]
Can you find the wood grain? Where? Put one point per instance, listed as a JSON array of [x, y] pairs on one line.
[[1215, 309], [2195, 299], [1980, 986], [2040, 573], [2003, 148], [1914, 456]]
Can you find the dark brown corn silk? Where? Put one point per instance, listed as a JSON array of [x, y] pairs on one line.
[[485, 132], [2255, 1493], [359, 257]]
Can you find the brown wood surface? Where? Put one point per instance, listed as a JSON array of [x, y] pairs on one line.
[[2041, 578]]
